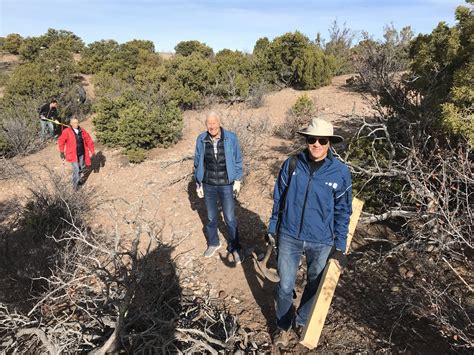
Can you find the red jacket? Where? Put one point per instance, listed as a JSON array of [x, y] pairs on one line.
[[68, 140]]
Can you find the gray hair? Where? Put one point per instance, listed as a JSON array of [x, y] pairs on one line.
[[213, 114]]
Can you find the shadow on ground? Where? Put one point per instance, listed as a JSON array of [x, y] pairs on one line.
[[252, 239]]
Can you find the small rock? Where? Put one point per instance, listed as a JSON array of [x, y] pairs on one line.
[[395, 289]]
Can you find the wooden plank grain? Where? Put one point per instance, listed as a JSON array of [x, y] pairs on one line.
[[327, 286]]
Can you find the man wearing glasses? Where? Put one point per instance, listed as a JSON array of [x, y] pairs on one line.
[[313, 219]]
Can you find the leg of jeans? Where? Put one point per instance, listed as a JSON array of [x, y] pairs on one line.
[[82, 164], [316, 257], [51, 128], [75, 174], [44, 131], [226, 197], [210, 198], [289, 255]]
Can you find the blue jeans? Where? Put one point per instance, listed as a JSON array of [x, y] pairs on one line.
[[225, 194], [46, 127], [77, 168], [290, 251]]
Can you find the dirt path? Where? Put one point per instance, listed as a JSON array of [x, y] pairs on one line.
[[169, 192]]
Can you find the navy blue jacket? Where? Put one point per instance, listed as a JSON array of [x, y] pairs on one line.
[[317, 207]]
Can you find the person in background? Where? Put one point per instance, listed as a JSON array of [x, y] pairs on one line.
[[75, 144], [48, 111]]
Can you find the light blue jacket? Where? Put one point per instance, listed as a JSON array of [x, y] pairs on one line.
[[233, 157], [317, 207]]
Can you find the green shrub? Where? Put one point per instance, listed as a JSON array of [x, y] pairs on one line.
[[234, 75], [31, 47], [314, 69], [136, 155], [12, 43], [189, 80], [186, 48], [304, 106], [132, 122], [32, 80], [297, 116]]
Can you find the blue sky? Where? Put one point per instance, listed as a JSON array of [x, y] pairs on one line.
[[219, 23]]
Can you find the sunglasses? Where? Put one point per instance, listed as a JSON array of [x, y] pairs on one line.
[[312, 140]]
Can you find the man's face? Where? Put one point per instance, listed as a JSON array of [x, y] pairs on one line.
[[74, 123], [317, 150], [213, 126], [53, 104]]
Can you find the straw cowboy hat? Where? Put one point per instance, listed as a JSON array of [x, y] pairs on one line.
[[321, 128]]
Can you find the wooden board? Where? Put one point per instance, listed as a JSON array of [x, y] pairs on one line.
[[327, 286]]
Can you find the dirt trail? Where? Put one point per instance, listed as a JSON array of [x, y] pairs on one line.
[[174, 200]]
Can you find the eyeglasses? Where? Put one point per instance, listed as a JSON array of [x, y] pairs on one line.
[[312, 140]]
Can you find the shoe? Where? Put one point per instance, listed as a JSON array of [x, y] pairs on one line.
[[281, 338], [238, 258], [211, 249], [298, 329]]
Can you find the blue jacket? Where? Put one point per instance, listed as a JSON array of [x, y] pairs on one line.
[[233, 158], [317, 207]]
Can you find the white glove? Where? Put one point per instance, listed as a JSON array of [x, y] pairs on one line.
[[200, 191], [236, 188]]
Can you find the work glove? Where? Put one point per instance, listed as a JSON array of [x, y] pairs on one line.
[[271, 239], [340, 258], [200, 191], [236, 188], [61, 154]]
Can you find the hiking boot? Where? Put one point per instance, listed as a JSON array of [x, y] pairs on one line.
[[211, 249], [281, 338], [298, 329], [238, 258]]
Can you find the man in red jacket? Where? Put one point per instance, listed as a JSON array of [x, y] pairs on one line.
[[78, 144]]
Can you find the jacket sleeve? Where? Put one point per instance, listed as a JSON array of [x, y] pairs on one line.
[[62, 141], [280, 186], [197, 157], [88, 142], [238, 160], [342, 212]]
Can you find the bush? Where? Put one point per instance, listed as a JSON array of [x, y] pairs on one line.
[[339, 48], [31, 47], [234, 75], [297, 116], [186, 48], [257, 94], [292, 60], [131, 122], [19, 134], [189, 80], [12, 43], [136, 155], [313, 70]]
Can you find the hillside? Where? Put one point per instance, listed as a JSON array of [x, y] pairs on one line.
[[163, 184]]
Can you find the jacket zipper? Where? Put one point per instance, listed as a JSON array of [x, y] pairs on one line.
[[304, 203]]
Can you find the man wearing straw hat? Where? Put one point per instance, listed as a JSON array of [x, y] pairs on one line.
[[313, 220]]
